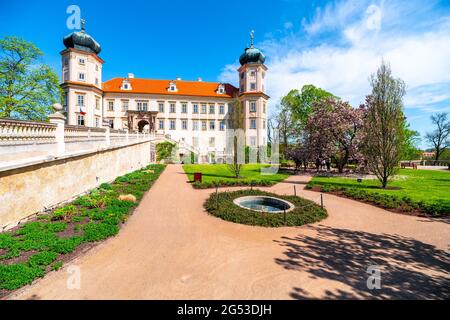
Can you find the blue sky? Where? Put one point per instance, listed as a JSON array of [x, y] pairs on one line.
[[332, 44]]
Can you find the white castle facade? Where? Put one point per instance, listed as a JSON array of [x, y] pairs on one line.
[[193, 112]]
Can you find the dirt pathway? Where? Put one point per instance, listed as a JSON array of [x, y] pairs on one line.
[[171, 249]]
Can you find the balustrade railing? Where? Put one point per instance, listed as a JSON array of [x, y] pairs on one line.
[[26, 132]]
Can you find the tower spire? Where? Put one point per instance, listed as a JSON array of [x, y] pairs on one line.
[[82, 24], [252, 37]]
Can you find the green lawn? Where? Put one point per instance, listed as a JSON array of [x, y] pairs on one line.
[[219, 173], [419, 185]]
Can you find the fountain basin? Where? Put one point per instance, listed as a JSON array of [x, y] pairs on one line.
[[264, 204]]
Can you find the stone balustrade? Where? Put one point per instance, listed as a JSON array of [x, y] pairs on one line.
[[26, 132]]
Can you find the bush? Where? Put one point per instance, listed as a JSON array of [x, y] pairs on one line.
[[405, 204], [223, 207], [164, 150]]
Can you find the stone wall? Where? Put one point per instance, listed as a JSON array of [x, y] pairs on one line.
[[34, 187]]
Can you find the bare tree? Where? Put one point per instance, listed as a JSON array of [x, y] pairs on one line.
[[285, 128], [439, 138], [383, 124]]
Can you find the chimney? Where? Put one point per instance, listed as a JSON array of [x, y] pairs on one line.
[[130, 75], [178, 78], [199, 79]]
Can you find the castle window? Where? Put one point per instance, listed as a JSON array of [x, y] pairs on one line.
[[242, 75], [124, 105], [184, 124], [80, 120], [252, 106], [172, 87], [81, 76], [253, 86], [142, 105], [222, 125], [212, 109], [66, 75], [111, 123], [96, 67], [252, 73], [212, 142], [110, 105], [97, 122], [195, 108], [161, 107], [194, 125], [66, 61], [264, 107], [80, 100], [203, 108], [184, 107], [204, 125], [212, 125], [81, 61], [172, 107], [222, 109], [97, 103], [221, 89], [161, 124], [172, 125], [252, 123]]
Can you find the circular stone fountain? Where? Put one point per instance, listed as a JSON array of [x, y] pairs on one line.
[[264, 204]]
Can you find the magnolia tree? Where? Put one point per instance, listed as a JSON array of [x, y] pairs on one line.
[[334, 129]]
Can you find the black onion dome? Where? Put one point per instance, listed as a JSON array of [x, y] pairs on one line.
[[252, 55], [82, 41]]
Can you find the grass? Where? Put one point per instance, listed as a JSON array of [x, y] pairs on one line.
[[424, 189], [222, 206], [37, 247], [219, 174]]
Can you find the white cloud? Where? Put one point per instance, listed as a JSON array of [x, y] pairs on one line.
[[365, 34]]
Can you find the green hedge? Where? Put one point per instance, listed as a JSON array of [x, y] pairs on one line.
[[94, 217], [164, 150], [233, 183], [436, 208], [222, 206]]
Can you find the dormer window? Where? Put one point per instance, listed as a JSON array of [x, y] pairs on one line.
[[172, 87], [221, 89], [126, 85]]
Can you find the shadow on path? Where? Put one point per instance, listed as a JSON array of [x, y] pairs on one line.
[[410, 269]]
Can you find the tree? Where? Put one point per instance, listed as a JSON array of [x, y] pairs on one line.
[[301, 154], [235, 128], [440, 137], [335, 127], [285, 128], [300, 103], [410, 147], [28, 88], [384, 124]]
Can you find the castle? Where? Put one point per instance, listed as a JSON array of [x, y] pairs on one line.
[[192, 112]]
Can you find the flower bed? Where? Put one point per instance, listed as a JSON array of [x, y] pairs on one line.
[[29, 251], [221, 205], [403, 204]]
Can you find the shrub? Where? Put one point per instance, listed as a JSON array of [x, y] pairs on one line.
[[105, 186], [223, 207]]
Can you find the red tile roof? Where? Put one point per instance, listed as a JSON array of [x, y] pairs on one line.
[[185, 88]]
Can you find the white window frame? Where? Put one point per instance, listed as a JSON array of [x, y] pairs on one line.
[[81, 76]]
